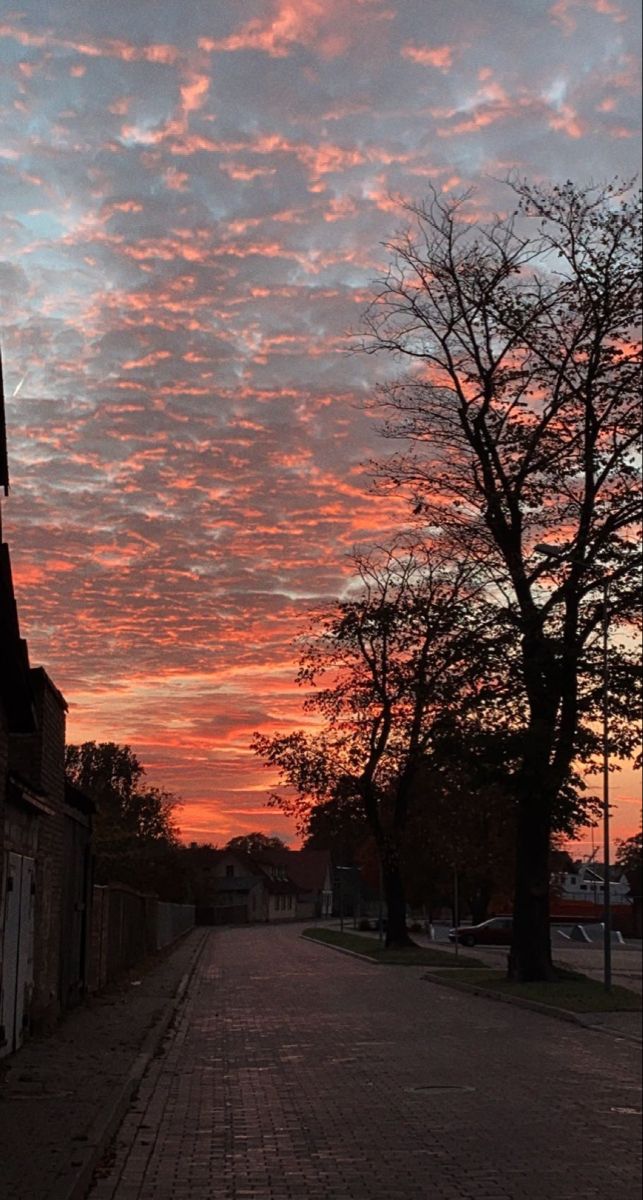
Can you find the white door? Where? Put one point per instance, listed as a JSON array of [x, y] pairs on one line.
[[17, 958]]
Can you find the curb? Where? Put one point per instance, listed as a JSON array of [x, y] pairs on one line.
[[547, 1010], [459, 985], [365, 957], [104, 1127], [341, 950]]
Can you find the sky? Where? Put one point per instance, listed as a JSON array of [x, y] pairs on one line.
[[193, 204]]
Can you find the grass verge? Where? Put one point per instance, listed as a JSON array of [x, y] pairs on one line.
[[414, 956], [571, 991]]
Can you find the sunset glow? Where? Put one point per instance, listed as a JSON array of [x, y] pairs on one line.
[[193, 211]]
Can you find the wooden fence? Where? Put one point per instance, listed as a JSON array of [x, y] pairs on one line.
[[126, 927]]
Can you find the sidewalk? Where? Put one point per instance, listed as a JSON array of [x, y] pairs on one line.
[[62, 1097], [294, 1074]]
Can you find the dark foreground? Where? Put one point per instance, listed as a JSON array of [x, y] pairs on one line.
[[295, 1073]]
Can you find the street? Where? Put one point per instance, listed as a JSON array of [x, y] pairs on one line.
[[294, 1072]]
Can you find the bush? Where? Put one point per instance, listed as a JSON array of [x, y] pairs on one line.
[[416, 927], [364, 924]]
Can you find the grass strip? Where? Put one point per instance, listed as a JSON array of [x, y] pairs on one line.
[[571, 991], [413, 956]]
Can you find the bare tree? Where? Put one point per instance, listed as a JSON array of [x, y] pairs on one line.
[[521, 403], [404, 658]]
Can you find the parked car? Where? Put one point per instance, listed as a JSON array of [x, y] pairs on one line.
[[494, 932]]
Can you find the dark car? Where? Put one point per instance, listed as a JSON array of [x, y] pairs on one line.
[[494, 932]]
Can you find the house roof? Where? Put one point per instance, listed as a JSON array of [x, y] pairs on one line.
[[78, 799], [250, 864], [21, 792], [238, 883], [15, 682], [306, 868], [260, 864]]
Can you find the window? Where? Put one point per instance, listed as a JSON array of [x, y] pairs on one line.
[[230, 871]]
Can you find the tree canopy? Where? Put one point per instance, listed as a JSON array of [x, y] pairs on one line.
[[254, 843], [134, 825], [521, 400], [408, 656]]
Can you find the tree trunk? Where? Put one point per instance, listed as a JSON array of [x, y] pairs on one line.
[[530, 955], [394, 893], [479, 903]]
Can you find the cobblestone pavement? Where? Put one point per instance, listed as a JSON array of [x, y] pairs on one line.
[[295, 1073]]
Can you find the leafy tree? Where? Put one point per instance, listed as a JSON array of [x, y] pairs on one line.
[[254, 843], [629, 856], [135, 835], [338, 826], [390, 668], [522, 404]]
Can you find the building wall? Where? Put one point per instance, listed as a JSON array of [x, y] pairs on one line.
[[40, 759], [282, 908], [4, 766]]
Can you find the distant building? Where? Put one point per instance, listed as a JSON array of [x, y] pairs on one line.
[[579, 895], [586, 884], [270, 886]]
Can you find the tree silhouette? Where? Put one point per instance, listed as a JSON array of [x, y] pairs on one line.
[[254, 843], [389, 669], [134, 827], [521, 400]]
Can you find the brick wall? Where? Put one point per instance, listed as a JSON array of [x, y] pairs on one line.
[[4, 766], [40, 759]]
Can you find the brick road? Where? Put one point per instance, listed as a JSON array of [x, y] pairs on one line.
[[295, 1073]]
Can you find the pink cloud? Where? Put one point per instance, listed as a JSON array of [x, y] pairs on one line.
[[440, 57], [567, 121], [564, 15], [292, 23], [163, 54]]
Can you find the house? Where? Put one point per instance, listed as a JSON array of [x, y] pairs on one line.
[[236, 889], [271, 885], [310, 872], [45, 831]]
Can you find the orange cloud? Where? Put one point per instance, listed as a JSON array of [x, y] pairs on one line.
[[562, 12], [293, 22], [566, 120], [440, 57], [164, 54]]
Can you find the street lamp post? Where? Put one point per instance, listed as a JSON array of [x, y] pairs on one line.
[[456, 908], [607, 897], [380, 905], [561, 556], [341, 896]]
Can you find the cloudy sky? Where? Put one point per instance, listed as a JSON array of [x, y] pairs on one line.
[[194, 198]]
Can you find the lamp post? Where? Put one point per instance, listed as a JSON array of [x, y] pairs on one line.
[[341, 896], [561, 556]]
